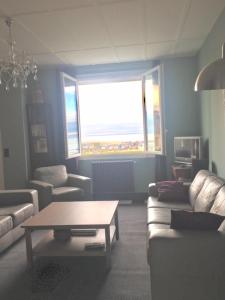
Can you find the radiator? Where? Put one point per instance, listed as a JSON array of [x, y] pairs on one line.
[[113, 177]]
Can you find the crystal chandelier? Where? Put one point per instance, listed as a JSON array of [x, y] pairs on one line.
[[15, 70]]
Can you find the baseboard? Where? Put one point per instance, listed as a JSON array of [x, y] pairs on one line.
[[135, 197]]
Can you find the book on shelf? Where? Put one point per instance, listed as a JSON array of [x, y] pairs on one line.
[[95, 246], [84, 232]]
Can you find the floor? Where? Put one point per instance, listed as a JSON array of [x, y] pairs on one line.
[[83, 279]]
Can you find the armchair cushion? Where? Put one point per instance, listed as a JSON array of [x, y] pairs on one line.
[[6, 225], [82, 182], [55, 175], [19, 213], [67, 194]]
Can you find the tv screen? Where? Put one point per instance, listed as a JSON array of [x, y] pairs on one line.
[[187, 148]]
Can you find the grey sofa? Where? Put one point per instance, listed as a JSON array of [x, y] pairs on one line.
[[16, 206], [53, 183], [187, 264]]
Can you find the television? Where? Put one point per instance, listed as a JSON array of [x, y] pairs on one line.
[[187, 148]]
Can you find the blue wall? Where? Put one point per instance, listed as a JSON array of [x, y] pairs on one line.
[[212, 102]]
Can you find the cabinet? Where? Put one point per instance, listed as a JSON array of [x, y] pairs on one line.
[[182, 172], [40, 132]]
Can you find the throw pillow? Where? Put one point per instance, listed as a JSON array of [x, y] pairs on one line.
[[182, 219], [171, 191]]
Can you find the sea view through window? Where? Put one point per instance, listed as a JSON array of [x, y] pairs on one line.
[[111, 118]]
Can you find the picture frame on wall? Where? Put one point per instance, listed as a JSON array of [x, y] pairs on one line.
[[40, 145]]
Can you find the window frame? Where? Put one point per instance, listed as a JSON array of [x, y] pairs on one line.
[[162, 123], [145, 152], [64, 76]]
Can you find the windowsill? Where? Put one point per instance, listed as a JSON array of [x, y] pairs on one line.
[[116, 156]]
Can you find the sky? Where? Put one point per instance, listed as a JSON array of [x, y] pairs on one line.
[[117, 102]]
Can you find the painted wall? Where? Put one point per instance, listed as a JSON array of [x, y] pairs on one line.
[[14, 137], [181, 114], [212, 102], [182, 107]]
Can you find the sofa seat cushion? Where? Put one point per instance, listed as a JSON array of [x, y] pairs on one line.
[[6, 224], [19, 213], [208, 193], [158, 226], [159, 216], [154, 203], [67, 194]]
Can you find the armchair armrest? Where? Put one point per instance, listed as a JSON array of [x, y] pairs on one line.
[[82, 182], [44, 192], [14, 197], [187, 264]]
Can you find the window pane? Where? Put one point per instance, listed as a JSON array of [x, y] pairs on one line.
[[153, 111], [111, 118], [71, 124]]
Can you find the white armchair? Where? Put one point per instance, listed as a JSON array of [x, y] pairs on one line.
[[53, 183]]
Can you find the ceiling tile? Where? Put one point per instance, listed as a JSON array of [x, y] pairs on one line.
[[3, 49], [68, 30], [163, 19], [124, 22], [131, 53], [48, 59], [27, 6], [189, 46], [201, 18], [89, 57], [157, 50]]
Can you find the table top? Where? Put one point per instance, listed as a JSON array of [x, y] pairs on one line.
[[77, 214]]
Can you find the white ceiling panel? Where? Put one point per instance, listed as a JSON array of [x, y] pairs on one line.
[[163, 19], [107, 31], [28, 6], [189, 46], [48, 59], [157, 50], [124, 22], [68, 30], [3, 49], [201, 18], [131, 53], [89, 57]]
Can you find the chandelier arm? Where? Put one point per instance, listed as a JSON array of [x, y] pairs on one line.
[[18, 67]]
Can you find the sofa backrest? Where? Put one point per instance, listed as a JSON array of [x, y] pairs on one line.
[[55, 175], [197, 185], [219, 203], [208, 193]]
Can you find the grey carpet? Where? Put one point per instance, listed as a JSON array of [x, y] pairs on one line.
[[83, 279]]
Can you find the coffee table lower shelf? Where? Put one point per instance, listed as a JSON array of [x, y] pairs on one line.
[[75, 246]]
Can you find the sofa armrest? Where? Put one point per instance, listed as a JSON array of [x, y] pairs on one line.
[[82, 182], [187, 264], [44, 192], [14, 197]]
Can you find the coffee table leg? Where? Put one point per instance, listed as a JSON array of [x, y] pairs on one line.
[[117, 224], [29, 247], [108, 247]]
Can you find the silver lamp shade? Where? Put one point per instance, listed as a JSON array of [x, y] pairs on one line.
[[212, 76]]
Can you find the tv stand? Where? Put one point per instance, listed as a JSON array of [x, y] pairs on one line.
[[182, 172]]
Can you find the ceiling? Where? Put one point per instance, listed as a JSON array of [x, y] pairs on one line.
[[87, 32]]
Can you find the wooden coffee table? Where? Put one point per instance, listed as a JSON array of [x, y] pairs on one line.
[[73, 215]]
